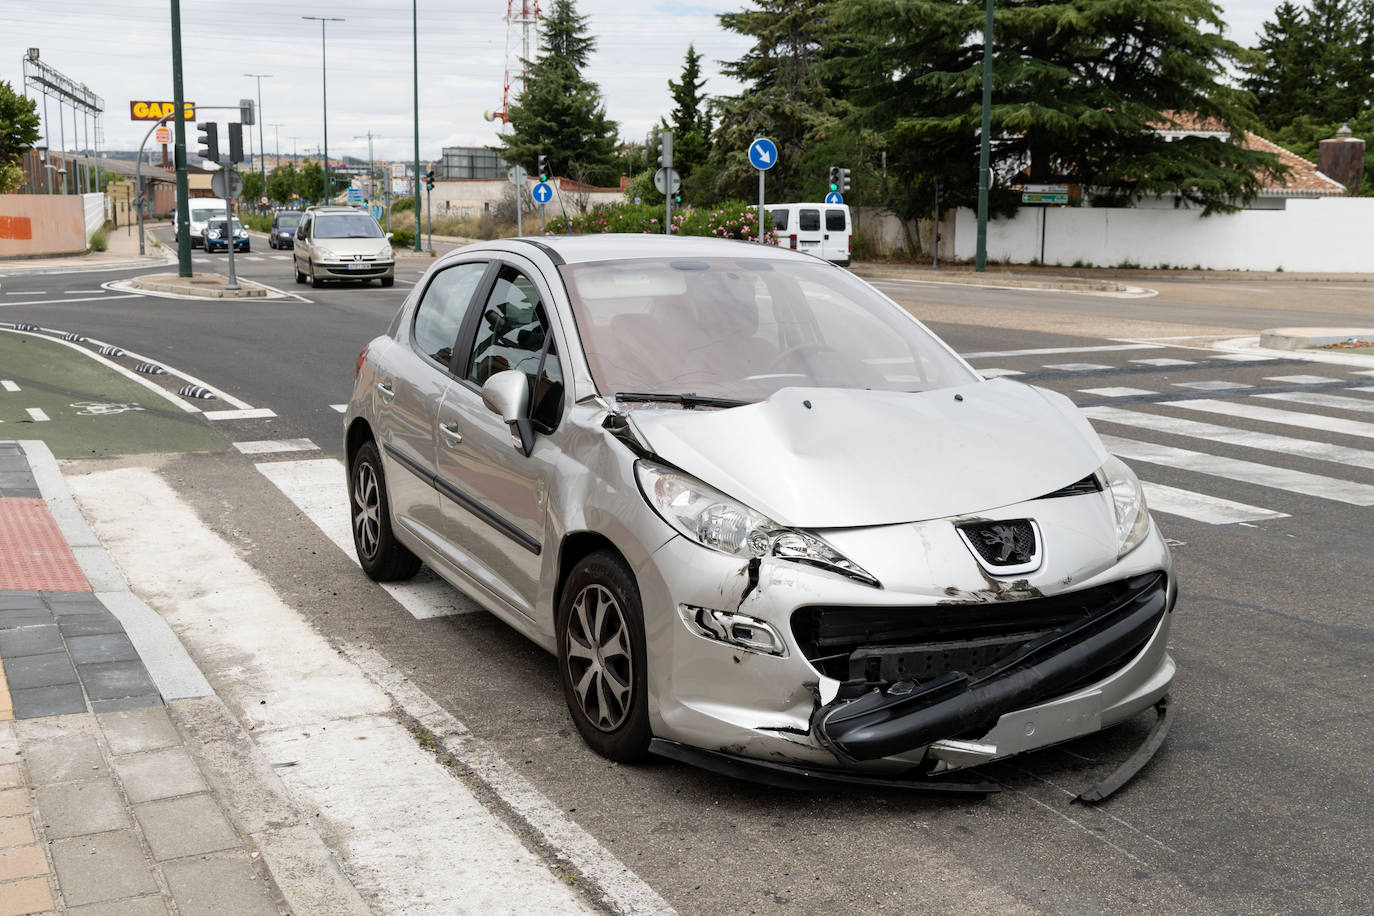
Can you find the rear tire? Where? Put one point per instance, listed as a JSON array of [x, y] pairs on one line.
[[388, 281], [381, 556], [601, 657]]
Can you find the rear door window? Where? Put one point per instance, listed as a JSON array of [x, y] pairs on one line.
[[834, 221], [809, 220], [513, 333], [780, 219], [441, 311]]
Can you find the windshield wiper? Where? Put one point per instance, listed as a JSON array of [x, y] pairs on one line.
[[688, 400]]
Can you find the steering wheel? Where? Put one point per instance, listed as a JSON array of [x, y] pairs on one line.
[[782, 359]]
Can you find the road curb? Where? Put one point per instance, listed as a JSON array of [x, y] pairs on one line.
[[1304, 338], [197, 286]]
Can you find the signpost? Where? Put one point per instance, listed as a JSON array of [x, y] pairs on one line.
[[355, 196], [516, 175], [542, 194], [1045, 194], [667, 181], [763, 155], [228, 184], [834, 197], [162, 135]]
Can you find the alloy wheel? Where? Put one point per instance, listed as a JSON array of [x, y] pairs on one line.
[[600, 664], [367, 509]]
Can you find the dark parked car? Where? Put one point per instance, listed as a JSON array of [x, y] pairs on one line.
[[283, 232], [217, 235]]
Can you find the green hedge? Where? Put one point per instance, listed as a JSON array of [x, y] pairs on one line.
[[401, 237], [733, 219]]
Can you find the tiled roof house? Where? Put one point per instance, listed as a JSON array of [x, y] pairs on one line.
[[1304, 179]]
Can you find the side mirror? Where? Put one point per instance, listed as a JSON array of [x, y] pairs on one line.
[[390, 236], [507, 394]]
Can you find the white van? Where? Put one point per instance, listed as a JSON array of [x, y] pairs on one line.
[[821, 229], [203, 209]]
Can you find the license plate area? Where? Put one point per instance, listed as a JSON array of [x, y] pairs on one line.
[[359, 265]]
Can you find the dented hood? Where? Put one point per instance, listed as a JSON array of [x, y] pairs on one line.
[[856, 458]]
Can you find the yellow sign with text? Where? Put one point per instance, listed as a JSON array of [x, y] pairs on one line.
[[156, 111]]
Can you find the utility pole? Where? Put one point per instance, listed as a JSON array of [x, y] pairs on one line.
[[371, 163], [980, 260], [415, 63], [324, 82], [183, 205], [262, 147]]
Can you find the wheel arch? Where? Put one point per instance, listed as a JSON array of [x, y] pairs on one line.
[[576, 546], [359, 431]]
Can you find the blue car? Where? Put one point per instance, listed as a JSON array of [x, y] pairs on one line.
[[217, 236], [283, 232]]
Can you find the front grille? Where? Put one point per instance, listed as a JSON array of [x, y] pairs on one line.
[[881, 645], [1005, 543]]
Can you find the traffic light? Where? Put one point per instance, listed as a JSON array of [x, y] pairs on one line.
[[543, 167], [429, 180], [208, 140], [665, 149], [246, 113], [834, 178], [939, 192], [235, 142], [844, 180]]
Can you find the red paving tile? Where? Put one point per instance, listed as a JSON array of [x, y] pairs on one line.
[[33, 553]]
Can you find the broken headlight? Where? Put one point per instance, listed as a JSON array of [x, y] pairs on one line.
[[714, 520], [1128, 505]]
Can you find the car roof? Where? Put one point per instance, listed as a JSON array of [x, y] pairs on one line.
[[612, 246], [337, 209]]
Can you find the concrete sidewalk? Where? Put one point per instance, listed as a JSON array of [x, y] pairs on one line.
[[122, 251]]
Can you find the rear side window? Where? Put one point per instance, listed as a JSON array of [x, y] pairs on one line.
[[441, 311], [834, 221], [809, 220], [780, 219]]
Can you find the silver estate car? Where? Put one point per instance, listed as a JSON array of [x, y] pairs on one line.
[[766, 520]]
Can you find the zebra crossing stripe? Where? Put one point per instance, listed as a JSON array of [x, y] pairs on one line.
[[1210, 510], [1313, 399], [1115, 392], [37, 414], [1049, 351], [274, 446], [1286, 417], [9, 386], [1263, 475], [1177, 426]]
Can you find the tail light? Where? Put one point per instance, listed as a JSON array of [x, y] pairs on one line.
[[793, 239], [359, 367]]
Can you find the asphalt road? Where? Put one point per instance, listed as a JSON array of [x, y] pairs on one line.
[[1259, 801]]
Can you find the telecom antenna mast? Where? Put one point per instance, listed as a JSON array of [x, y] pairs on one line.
[[525, 14]]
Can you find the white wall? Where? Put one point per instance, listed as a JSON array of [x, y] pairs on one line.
[[94, 207], [1330, 234], [462, 198]]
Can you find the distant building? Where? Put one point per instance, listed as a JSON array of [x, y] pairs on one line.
[[470, 162]]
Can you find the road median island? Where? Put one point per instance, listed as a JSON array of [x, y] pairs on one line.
[[199, 286], [1019, 281]]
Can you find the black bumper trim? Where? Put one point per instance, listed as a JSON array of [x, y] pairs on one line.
[[907, 715]]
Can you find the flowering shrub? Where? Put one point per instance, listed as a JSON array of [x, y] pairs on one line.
[[730, 220]]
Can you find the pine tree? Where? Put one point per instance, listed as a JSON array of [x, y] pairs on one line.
[[559, 113], [691, 122], [1077, 87]]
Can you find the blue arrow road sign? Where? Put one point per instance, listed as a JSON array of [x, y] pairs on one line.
[[834, 197], [542, 193], [763, 154]]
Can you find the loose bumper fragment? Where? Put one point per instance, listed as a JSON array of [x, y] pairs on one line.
[[1136, 762]]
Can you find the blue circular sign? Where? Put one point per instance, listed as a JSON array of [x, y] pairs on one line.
[[763, 154], [834, 197], [542, 193]]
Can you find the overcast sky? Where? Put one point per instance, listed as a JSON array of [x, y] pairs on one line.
[[121, 49]]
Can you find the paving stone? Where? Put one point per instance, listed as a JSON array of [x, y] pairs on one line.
[[159, 774], [14, 802], [111, 680], [70, 603], [225, 883], [110, 866], [16, 831], [67, 758], [22, 862], [71, 809], [187, 826], [138, 730], [138, 906], [110, 647], [48, 701], [32, 895], [89, 625], [16, 480], [25, 616], [47, 670], [31, 640], [123, 703], [24, 493], [18, 598], [10, 776]]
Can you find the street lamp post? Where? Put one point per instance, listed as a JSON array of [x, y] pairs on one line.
[[980, 261], [415, 60], [324, 82], [262, 148]]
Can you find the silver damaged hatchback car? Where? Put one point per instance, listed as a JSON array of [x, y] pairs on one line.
[[766, 520]]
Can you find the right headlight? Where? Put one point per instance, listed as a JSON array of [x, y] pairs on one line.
[[710, 518], [1128, 505]]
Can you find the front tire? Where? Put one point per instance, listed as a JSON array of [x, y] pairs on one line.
[[315, 281], [388, 281], [601, 657], [381, 556]]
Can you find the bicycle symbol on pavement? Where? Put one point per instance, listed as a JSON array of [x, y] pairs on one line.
[[103, 409]]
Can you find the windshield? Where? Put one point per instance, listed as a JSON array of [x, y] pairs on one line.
[[201, 214], [218, 224], [347, 226], [288, 220], [745, 328]]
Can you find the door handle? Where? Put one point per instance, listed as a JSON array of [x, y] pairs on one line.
[[386, 390], [450, 433]]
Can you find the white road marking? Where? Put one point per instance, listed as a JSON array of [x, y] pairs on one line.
[[319, 488], [1300, 379], [1362, 372], [999, 373], [280, 257], [1210, 510], [65, 301], [1165, 362], [1212, 432], [30, 292], [1312, 399], [1217, 385], [1049, 351], [1245, 357], [1362, 388], [271, 446], [339, 407], [9, 386], [37, 414], [1344, 491], [418, 839], [83, 291], [1079, 367], [1286, 417], [1116, 392], [252, 413], [127, 373], [253, 257]]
